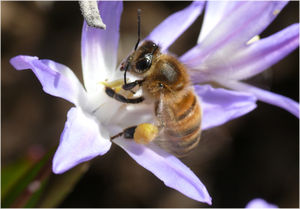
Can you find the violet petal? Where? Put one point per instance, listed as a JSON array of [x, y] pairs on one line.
[[173, 26], [260, 55], [220, 105], [246, 21], [80, 141], [215, 12], [99, 48], [167, 168], [265, 96], [56, 79], [260, 203]]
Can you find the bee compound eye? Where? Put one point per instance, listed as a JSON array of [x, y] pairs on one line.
[[144, 63]]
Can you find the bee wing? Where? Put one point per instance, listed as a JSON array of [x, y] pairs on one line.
[[177, 147]]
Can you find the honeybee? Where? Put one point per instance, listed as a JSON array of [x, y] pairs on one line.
[[165, 82]]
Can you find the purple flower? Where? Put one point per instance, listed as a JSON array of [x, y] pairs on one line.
[[226, 53], [259, 203], [93, 120]]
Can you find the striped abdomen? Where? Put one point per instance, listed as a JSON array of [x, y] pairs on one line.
[[181, 121]]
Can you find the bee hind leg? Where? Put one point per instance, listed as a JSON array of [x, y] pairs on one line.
[[128, 133], [142, 133]]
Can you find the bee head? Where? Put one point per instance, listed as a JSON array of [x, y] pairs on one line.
[[140, 60]]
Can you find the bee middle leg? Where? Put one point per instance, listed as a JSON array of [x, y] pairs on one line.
[[110, 92]]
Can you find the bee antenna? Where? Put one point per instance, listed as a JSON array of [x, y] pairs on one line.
[[139, 28], [138, 41], [125, 74]]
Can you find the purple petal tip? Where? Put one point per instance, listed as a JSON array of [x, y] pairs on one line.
[[22, 62], [260, 203]]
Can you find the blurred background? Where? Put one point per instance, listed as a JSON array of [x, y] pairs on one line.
[[256, 155]]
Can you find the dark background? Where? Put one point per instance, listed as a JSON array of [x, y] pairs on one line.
[[256, 155]]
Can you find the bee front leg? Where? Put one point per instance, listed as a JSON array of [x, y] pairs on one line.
[[129, 86], [142, 133], [110, 92]]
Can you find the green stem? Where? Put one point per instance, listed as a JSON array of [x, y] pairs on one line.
[[60, 186], [33, 186]]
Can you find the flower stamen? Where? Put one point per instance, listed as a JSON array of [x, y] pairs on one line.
[[252, 40]]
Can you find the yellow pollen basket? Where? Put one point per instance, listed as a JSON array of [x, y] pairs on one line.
[[145, 133]]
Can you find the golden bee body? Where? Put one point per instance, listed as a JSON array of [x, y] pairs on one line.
[[165, 82]]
